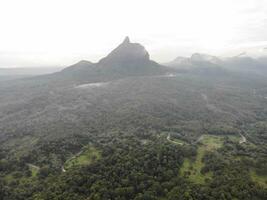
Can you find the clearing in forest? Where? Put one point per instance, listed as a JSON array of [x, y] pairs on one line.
[[86, 157], [34, 169], [192, 168], [175, 140], [260, 179]]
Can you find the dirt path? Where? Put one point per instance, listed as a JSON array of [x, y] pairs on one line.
[[199, 139], [169, 139], [73, 157], [243, 139], [33, 166], [63, 169]]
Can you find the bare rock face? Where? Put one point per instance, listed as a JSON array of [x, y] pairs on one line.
[[128, 59], [126, 40], [126, 52]]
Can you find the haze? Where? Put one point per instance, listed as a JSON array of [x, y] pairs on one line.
[[38, 33]]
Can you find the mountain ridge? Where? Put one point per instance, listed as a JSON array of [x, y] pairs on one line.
[[240, 63], [127, 59]]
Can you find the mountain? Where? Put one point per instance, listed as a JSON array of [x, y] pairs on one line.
[[126, 53], [197, 57], [128, 59], [205, 63], [198, 63], [180, 62], [244, 63], [83, 65], [121, 129]]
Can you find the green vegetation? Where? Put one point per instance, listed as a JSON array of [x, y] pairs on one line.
[[21, 146], [212, 142], [178, 141], [192, 168], [173, 140], [234, 138], [8, 178], [126, 124], [87, 156], [34, 170], [260, 179]]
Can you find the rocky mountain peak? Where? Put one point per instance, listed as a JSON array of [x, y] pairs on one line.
[[126, 52], [126, 40]]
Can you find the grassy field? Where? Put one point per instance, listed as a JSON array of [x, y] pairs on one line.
[[14, 177], [234, 138], [192, 168], [34, 169], [261, 180], [86, 157], [212, 142]]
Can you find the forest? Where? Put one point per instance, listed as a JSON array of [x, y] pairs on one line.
[[128, 128]]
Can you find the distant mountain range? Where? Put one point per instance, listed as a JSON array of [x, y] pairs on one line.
[[18, 73], [241, 63], [28, 71], [132, 59]]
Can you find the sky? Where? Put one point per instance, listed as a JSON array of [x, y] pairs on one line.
[[36, 33]]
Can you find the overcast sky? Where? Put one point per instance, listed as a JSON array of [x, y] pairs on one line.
[[61, 32]]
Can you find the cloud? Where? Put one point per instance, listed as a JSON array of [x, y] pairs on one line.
[[60, 32]]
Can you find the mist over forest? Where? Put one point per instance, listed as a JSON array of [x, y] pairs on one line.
[[178, 112], [128, 127]]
